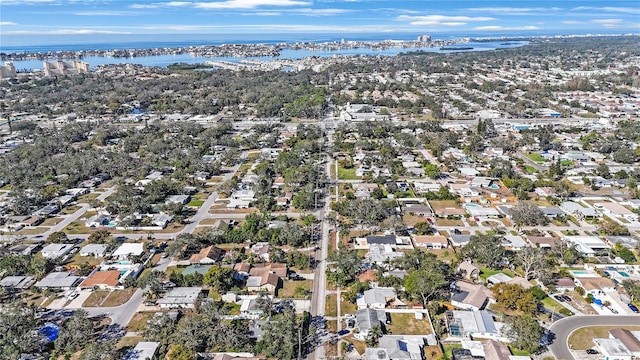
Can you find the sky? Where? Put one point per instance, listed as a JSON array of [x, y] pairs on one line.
[[20, 19]]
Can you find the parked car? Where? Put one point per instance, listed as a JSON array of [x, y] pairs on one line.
[[592, 352], [559, 298], [612, 310], [633, 308]]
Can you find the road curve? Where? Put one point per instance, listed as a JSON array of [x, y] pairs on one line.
[[563, 328]]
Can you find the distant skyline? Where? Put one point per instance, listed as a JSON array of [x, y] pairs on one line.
[[28, 19]]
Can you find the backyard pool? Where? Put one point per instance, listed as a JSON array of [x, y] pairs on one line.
[[623, 274], [495, 186]]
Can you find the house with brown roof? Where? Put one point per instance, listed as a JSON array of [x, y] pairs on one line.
[[470, 296], [630, 339], [208, 255], [266, 277], [430, 242], [595, 285], [543, 242], [565, 284], [449, 211], [103, 280]]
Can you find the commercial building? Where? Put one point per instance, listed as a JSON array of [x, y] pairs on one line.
[[65, 68], [7, 71]]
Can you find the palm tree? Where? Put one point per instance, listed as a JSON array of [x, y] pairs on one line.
[[374, 334]]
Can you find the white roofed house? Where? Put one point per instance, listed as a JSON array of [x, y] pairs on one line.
[[617, 210], [54, 251], [128, 249], [578, 210], [377, 298], [180, 297], [95, 250], [587, 245]]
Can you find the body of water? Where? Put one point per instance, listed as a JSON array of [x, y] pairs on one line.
[[165, 60]]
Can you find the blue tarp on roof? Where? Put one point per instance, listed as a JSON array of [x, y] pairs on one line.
[[50, 331]]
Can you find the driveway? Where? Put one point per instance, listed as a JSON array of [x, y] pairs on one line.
[[78, 301]]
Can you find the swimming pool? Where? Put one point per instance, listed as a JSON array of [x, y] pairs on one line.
[[580, 272], [471, 205], [495, 186], [623, 274]]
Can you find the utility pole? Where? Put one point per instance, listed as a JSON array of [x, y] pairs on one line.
[[300, 342]]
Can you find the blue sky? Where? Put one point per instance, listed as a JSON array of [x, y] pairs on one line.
[[89, 17]]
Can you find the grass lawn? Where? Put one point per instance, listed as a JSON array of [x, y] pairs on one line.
[[347, 307], [357, 344], [139, 320], [566, 162], [486, 272], [449, 222], [88, 197], [347, 174], [530, 169], [407, 324], [195, 203], [517, 352], [128, 342], [582, 339], [331, 306], [448, 349], [78, 260], [76, 227], [170, 270], [295, 289], [70, 209], [96, 298], [33, 231], [443, 204], [119, 297], [551, 304], [51, 221], [536, 157]]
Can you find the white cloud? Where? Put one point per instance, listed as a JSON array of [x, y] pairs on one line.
[[7, 23], [571, 22], [441, 20], [64, 32], [105, 13], [263, 13], [27, 2], [505, 28], [613, 9], [608, 23], [514, 10], [319, 12], [248, 4]]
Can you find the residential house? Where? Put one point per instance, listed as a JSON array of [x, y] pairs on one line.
[[577, 210], [180, 297], [54, 251], [208, 255], [266, 277], [630, 339], [478, 211], [59, 280], [613, 349], [17, 283], [249, 308], [128, 249], [396, 242], [551, 212], [516, 242], [543, 242], [261, 249], [473, 324], [587, 245], [469, 296], [143, 350], [98, 220], [241, 271], [417, 209], [176, 199], [481, 182], [161, 220], [32, 221], [436, 242], [368, 318], [595, 285], [397, 347], [545, 191], [487, 350], [381, 254], [426, 186], [47, 210], [105, 280], [376, 298], [617, 210], [95, 250], [459, 240], [564, 284]]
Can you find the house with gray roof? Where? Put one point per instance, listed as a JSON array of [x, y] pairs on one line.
[[368, 318], [578, 210], [397, 347], [95, 250], [473, 324], [59, 280], [54, 251], [376, 298], [180, 297]]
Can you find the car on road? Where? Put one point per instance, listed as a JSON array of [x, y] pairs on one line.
[[612, 310], [633, 308], [343, 332], [592, 352], [559, 298]]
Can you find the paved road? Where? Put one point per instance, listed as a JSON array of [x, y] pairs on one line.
[[563, 328], [67, 220]]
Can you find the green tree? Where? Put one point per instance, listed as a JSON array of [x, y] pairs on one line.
[[152, 281], [485, 249], [104, 350], [432, 170], [101, 236], [76, 332], [57, 237], [219, 278], [425, 285], [345, 268], [280, 339], [17, 325], [374, 334], [524, 332]]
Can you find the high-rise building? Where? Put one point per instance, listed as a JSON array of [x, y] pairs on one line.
[[424, 38], [65, 67], [7, 71]]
